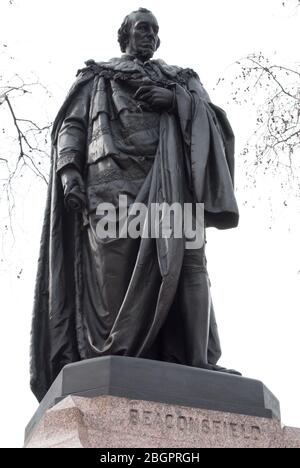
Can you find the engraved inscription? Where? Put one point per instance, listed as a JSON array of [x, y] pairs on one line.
[[185, 424]]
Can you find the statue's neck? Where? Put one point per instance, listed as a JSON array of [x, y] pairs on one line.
[[139, 58]]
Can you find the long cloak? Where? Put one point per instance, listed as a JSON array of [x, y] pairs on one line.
[[196, 150]]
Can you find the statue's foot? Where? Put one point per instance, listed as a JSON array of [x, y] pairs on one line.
[[215, 368]]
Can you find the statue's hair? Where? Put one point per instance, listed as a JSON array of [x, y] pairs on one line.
[[123, 33]]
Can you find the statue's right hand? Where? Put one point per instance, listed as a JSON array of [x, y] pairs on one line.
[[71, 177], [74, 189]]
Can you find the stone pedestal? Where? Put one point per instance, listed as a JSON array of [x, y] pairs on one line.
[[112, 422], [117, 402]]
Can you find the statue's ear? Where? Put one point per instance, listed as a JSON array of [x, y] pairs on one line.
[[158, 43]]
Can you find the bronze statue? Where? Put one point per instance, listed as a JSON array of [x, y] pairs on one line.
[[139, 127]]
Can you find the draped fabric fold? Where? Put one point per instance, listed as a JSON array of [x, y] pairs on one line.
[[96, 298]]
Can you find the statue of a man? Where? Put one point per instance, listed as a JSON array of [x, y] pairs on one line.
[[141, 128]]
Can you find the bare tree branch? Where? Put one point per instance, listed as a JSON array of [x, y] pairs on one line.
[[23, 141], [273, 146], [271, 74]]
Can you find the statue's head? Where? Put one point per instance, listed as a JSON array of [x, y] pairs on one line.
[[138, 34]]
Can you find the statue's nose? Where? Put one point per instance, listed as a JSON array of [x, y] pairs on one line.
[[151, 35]]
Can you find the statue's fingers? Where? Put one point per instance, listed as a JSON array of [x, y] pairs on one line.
[[67, 186], [146, 96], [80, 181], [142, 90], [75, 198], [157, 102]]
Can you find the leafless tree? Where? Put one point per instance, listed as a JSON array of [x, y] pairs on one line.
[[27, 132], [276, 88], [273, 89], [24, 128]]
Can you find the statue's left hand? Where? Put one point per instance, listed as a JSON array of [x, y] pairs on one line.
[[160, 99]]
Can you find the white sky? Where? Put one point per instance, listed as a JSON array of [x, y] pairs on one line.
[[254, 270]]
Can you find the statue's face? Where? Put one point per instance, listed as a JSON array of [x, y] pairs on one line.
[[143, 36]]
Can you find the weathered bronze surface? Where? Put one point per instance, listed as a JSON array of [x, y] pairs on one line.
[[139, 127]]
